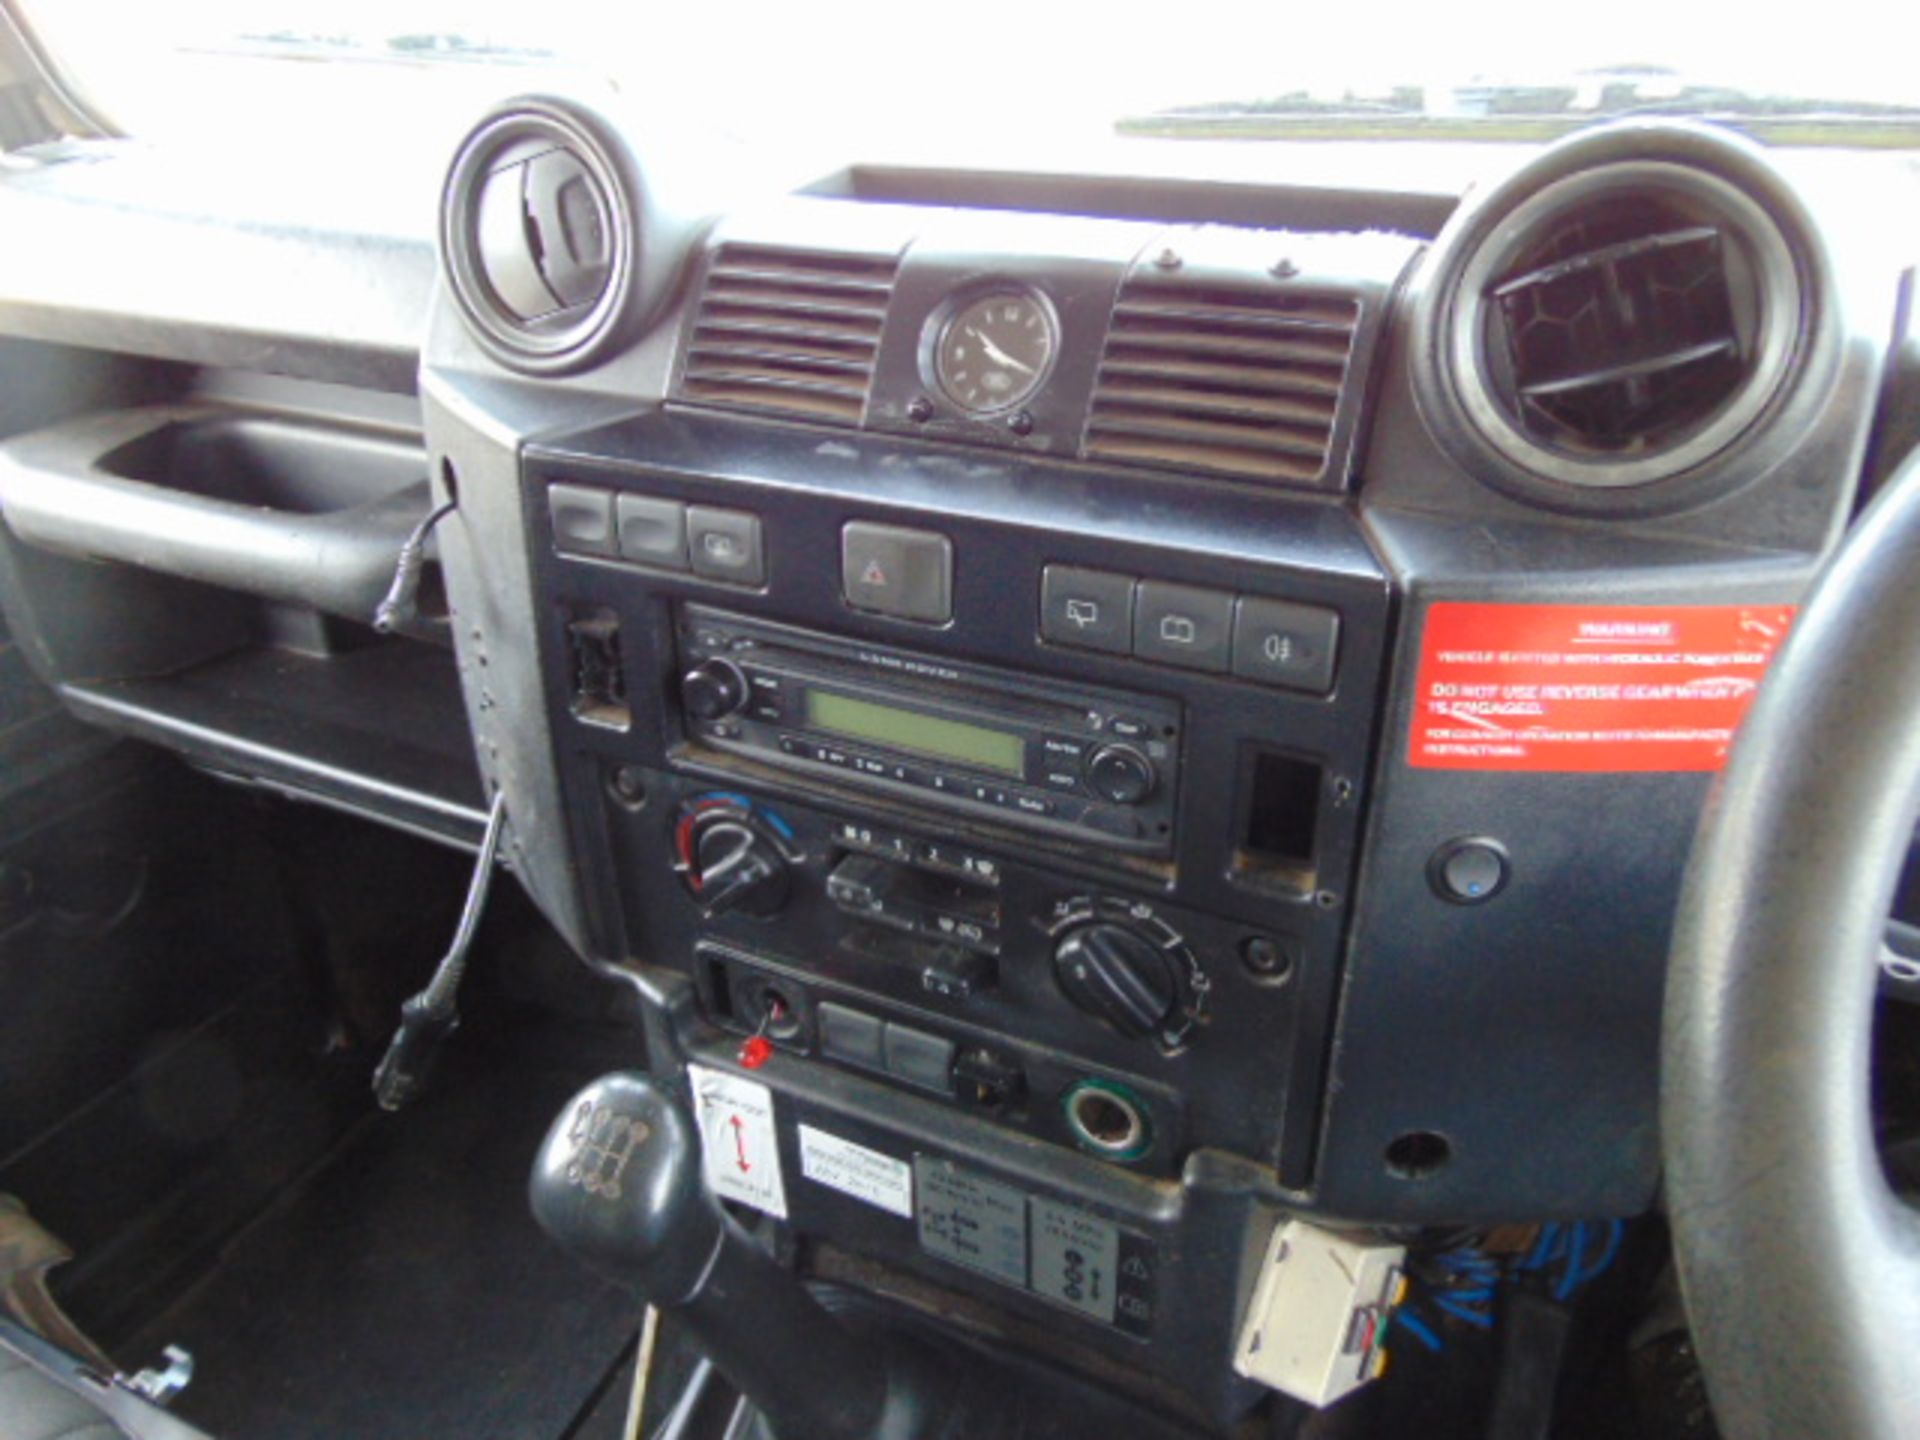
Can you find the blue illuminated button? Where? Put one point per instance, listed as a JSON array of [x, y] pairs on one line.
[[1468, 871]]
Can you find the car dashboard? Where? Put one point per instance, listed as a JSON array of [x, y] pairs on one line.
[[1097, 716]]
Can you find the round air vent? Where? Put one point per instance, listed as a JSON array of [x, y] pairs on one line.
[[1611, 328], [539, 235]]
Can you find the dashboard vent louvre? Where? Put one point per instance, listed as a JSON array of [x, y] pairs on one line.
[[788, 331], [1616, 329], [1221, 379]]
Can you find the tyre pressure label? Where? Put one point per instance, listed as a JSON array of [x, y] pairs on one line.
[[1588, 688], [1076, 1258], [1059, 1252], [971, 1220]]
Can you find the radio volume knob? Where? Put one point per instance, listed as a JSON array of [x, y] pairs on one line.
[[713, 689], [1120, 774]]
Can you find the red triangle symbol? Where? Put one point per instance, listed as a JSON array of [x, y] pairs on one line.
[[873, 574]]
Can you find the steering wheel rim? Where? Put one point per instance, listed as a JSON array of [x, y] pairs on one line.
[[1799, 1265]]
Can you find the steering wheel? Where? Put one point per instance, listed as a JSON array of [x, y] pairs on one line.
[[1799, 1265]]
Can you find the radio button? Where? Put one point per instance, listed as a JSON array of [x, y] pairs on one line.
[[1033, 805], [1121, 774], [1087, 609], [989, 795]]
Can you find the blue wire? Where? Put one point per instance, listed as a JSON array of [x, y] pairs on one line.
[[1570, 1277], [1415, 1327], [1474, 1277], [1461, 1312], [1543, 1248], [1616, 1232]]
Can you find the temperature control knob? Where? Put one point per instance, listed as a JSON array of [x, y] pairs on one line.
[[713, 689], [1118, 974], [730, 865], [1120, 774]]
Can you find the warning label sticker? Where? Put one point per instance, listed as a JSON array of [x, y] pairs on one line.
[[738, 1139], [1594, 688], [855, 1170]]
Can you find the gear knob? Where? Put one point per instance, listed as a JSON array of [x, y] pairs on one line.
[[618, 1184]]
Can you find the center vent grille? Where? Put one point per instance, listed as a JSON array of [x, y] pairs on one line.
[[1224, 380], [791, 332]]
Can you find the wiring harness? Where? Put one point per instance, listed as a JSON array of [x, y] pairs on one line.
[[1464, 1281]]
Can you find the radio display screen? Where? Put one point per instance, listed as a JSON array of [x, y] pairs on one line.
[[954, 740]]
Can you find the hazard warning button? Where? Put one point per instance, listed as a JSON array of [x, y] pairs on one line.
[[894, 571]]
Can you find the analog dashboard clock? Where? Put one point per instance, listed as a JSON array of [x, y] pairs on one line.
[[992, 353]]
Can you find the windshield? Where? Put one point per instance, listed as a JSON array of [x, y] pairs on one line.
[[870, 76]]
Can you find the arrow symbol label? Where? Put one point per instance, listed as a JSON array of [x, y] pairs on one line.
[[739, 1139], [740, 1144]]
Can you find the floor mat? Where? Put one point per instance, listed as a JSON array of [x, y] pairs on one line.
[[402, 1291]]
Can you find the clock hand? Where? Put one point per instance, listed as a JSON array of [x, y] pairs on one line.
[[997, 355]]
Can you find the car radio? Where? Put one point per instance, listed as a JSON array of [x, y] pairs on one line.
[[1097, 765]]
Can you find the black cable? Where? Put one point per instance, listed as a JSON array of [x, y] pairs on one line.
[[401, 605], [431, 1016]]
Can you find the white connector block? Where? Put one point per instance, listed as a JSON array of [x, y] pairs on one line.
[[1316, 1327]]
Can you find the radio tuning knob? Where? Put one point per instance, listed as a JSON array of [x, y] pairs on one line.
[[1120, 774], [713, 689], [1118, 975]]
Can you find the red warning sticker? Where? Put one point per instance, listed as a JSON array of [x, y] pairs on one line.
[[1608, 688]]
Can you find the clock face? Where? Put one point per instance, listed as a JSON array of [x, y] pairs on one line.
[[994, 352]]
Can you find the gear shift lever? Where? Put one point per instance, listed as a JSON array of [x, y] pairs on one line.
[[618, 1183]]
